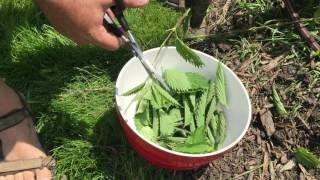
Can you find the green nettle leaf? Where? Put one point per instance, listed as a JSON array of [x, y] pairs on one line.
[[141, 120], [142, 117], [221, 129], [176, 139], [195, 143], [210, 135], [201, 109], [185, 81], [194, 148], [192, 126], [211, 109], [161, 98], [147, 132], [145, 92], [142, 106], [211, 91], [197, 81], [307, 158], [134, 90], [177, 80], [220, 86], [188, 53], [192, 98], [188, 117], [164, 94], [168, 122], [214, 125], [175, 112], [155, 122], [198, 136], [277, 101]]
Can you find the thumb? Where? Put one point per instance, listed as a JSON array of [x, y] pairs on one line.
[[135, 3], [128, 3]]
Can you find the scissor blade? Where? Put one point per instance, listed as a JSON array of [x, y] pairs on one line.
[[151, 71]]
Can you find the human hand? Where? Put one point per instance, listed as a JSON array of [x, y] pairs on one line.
[[82, 20]]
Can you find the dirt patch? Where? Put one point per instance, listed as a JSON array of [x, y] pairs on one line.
[[267, 150]]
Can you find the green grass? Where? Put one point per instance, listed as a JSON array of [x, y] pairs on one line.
[[71, 89]]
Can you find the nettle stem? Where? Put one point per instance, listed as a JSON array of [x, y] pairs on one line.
[[172, 31]]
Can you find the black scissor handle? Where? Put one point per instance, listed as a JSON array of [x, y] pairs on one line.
[[110, 26], [117, 10]]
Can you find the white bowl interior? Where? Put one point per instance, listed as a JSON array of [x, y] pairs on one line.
[[238, 114]]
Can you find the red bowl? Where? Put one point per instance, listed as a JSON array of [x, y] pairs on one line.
[[238, 115]]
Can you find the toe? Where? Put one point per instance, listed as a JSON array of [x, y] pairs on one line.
[[43, 174], [9, 177], [28, 175], [18, 176]]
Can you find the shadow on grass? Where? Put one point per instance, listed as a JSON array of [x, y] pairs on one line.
[[41, 68]]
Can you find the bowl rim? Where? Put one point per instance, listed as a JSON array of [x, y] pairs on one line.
[[214, 153]]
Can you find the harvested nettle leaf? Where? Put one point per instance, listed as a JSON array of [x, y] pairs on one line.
[[134, 90], [177, 80], [188, 54], [211, 110], [148, 133], [221, 86], [183, 82], [198, 82], [161, 98], [142, 116], [277, 101], [195, 143], [201, 109], [188, 116], [307, 158], [211, 91], [168, 123], [221, 127], [155, 122]]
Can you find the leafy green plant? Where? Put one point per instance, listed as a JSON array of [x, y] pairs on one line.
[[307, 158]]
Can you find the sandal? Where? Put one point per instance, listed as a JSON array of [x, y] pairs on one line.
[[10, 167], [176, 3]]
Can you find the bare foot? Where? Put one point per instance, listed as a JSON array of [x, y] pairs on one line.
[[20, 141]]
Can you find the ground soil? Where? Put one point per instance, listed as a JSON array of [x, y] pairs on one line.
[[271, 140]]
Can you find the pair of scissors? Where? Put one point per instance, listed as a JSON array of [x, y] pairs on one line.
[[126, 35]]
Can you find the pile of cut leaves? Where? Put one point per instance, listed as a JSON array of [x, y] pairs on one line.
[[189, 118]]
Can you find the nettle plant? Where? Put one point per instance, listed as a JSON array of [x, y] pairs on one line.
[[190, 117]]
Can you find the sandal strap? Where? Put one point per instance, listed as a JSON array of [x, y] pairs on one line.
[[9, 167], [13, 118], [16, 116]]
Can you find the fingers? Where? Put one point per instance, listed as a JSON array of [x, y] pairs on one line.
[[128, 3], [135, 3], [101, 37]]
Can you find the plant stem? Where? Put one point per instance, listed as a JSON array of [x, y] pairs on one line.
[[173, 30]]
